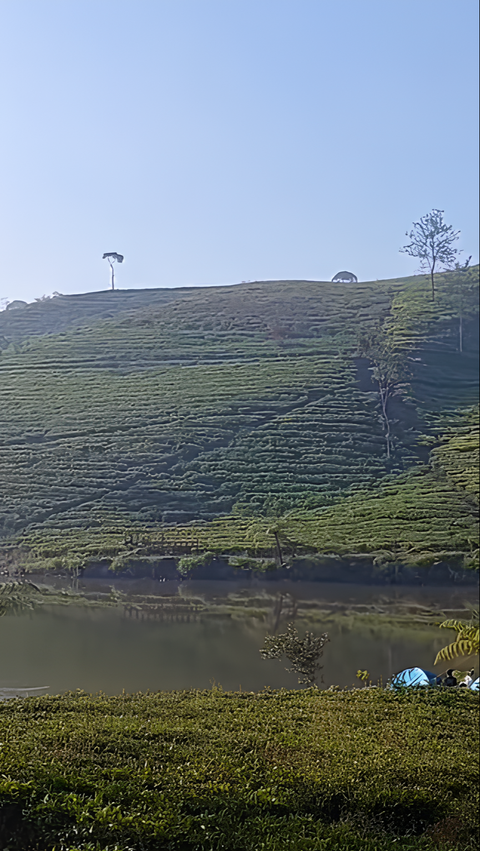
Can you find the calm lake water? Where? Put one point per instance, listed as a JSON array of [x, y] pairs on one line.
[[102, 649]]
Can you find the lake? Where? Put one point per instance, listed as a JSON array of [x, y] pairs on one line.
[[161, 636]]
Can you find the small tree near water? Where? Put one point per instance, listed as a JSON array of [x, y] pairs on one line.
[[273, 524], [302, 653]]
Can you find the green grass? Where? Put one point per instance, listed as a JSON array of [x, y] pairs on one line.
[[362, 769]]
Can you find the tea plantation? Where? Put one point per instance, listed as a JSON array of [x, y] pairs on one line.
[[137, 422], [305, 770]]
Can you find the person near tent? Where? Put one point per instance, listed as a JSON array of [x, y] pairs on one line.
[[450, 680], [467, 679]]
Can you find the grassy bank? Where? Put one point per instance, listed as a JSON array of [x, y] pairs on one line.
[[362, 769]]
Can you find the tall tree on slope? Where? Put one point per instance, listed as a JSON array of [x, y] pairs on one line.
[[389, 371], [431, 240], [461, 287]]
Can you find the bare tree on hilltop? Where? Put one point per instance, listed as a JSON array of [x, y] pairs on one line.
[[431, 240], [113, 257]]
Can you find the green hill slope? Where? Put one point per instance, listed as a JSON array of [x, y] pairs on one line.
[[155, 408]]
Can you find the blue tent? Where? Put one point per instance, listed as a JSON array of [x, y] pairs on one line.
[[475, 685], [413, 677], [431, 677]]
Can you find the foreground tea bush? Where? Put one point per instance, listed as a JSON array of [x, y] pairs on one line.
[[363, 769]]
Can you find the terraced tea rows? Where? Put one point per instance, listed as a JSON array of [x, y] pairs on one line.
[[53, 315], [178, 409], [182, 444]]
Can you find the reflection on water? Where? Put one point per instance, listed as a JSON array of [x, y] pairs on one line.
[[101, 649]]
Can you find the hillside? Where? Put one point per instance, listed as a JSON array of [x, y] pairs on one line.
[[183, 414]]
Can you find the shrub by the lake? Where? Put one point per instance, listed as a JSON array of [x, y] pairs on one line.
[[362, 769], [304, 654]]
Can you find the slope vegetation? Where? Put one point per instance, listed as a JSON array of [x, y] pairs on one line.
[[153, 409]]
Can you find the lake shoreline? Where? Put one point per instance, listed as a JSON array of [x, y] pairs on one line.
[[354, 570], [142, 634]]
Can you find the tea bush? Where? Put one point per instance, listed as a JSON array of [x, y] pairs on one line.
[[211, 770]]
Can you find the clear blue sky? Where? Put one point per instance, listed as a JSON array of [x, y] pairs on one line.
[[215, 141]]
